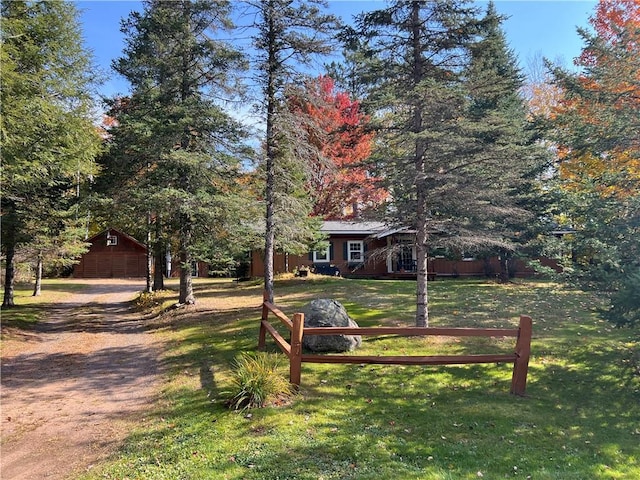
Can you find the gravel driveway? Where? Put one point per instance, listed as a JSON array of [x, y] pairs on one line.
[[72, 387]]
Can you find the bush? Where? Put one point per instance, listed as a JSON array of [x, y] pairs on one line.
[[257, 381], [625, 303], [148, 301]]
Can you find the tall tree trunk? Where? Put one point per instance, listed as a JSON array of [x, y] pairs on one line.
[[37, 288], [149, 287], [422, 297], [10, 273], [422, 294], [186, 296], [504, 266], [158, 254], [269, 237], [158, 261], [269, 240]]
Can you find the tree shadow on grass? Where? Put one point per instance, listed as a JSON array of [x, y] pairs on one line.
[[394, 418], [449, 429], [24, 317]]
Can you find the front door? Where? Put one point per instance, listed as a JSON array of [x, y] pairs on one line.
[[406, 258]]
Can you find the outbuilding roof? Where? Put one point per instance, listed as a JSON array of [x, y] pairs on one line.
[[110, 231]]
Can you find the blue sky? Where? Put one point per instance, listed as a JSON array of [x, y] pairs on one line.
[[535, 27]]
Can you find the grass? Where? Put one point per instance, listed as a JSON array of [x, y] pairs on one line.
[[32, 309], [580, 419], [258, 381]]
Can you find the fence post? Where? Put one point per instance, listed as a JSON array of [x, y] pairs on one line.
[[523, 351], [265, 317], [295, 360]]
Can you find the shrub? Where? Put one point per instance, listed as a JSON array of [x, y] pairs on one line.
[[258, 382], [625, 302], [147, 300]]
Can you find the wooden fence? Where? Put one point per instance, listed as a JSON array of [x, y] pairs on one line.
[[293, 349]]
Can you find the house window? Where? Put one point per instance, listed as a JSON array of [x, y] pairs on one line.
[[355, 251], [112, 240], [320, 256]]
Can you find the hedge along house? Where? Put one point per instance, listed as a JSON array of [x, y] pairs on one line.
[[372, 250], [112, 254]]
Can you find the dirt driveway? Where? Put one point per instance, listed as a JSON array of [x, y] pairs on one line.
[[72, 387]]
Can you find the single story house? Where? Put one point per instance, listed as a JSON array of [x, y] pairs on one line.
[[112, 254], [372, 250]]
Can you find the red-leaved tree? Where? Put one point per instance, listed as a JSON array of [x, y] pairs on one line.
[[341, 182]]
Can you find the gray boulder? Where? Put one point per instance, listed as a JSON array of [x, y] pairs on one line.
[[328, 313]]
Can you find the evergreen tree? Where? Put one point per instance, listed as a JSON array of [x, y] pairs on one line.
[[47, 137], [183, 149], [294, 154], [417, 51], [595, 126], [122, 193], [451, 140], [56, 235], [288, 35], [508, 151]]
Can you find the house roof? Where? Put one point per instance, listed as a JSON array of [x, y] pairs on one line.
[[344, 227], [394, 230], [353, 227]]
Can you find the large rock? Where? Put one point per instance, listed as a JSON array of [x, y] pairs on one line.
[[328, 313]]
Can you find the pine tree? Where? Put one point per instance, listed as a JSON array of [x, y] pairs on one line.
[[512, 159], [121, 194], [452, 142], [288, 35], [183, 148], [57, 239], [417, 50], [47, 137], [294, 154]]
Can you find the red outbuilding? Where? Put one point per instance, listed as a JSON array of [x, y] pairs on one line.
[[112, 254]]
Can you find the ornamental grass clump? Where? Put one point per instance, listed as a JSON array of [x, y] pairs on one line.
[[258, 382]]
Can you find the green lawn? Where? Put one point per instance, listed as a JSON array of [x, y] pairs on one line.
[[31, 309], [580, 419]]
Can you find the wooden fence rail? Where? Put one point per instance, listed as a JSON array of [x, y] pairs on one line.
[[293, 350]]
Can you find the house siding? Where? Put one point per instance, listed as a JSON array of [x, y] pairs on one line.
[[375, 266], [339, 243], [127, 259]]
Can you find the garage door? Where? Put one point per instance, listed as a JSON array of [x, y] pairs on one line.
[[112, 266]]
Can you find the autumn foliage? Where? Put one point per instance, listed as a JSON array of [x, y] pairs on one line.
[[613, 19], [599, 114], [341, 181], [596, 130]]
